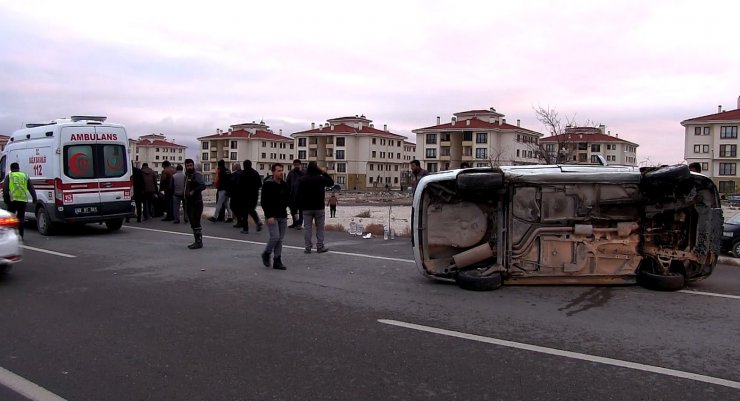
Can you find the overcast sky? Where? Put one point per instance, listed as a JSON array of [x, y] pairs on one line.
[[639, 67]]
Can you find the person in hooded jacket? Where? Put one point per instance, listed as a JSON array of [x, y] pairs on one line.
[[150, 190], [165, 185], [311, 199], [293, 176]]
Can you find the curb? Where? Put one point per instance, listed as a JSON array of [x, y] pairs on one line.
[[726, 260]]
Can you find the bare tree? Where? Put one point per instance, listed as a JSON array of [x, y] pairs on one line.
[[562, 149]]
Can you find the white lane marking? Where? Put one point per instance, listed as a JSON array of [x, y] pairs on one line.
[[567, 354], [284, 246], [710, 294], [26, 388], [30, 248]]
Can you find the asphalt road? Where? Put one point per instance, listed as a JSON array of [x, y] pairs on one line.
[[135, 315]]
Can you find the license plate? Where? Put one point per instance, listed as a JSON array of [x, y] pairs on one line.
[[86, 210]]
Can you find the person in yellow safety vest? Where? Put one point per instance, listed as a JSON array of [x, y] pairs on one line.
[[16, 189]]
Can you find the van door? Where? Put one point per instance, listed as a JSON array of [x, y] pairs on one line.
[[113, 172], [80, 189]]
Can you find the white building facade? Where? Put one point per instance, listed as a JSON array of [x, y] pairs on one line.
[[479, 137], [356, 154], [712, 141], [583, 145], [154, 149]]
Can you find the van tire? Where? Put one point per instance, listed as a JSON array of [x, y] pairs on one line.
[[113, 224], [474, 280], [43, 222], [671, 282]]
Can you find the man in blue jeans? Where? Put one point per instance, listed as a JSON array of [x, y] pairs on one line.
[[275, 195], [311, 200]]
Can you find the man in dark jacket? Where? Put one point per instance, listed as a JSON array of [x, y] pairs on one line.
[[222, 183], [251, 183], [293, 176], [236, 196], [165, 185], [150, 190], [275, 195], [194, 185], [311, 199]]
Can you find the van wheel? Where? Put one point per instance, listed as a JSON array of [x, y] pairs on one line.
[[736, 249], [478, 280], [43, 222], [671, 282], [113, 224]]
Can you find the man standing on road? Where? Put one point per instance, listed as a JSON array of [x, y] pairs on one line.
[[236, 195], [178, 194], [418, 173], [223, 180], [275, 195], [150, 190], [251, 182], [293, 176], [332, 205], [165, 185], [137, 177], [311, 197], [194, 185], [16, 190]]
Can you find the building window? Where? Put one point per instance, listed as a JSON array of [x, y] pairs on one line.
[[697, 131], [204, 156], [594, 159], [444, 151], [480, 153], [301, 154], [727, 168], [341, 167], [374, 141], [301, 141], [727, 150], [371, 180], [481, 137], [596, 148], [232, 145], [697, 148], [232, 156], [431, 139], [340, 141], [431, 153], [340, 154], [704, 166], [728, 132], [705, 148], [264, 155], [372, 167], [517, 153], [727, 187], [706, 130], [467, 136], [205, 145]]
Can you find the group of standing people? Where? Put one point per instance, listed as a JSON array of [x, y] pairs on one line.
[[303, 192], [237, 194]]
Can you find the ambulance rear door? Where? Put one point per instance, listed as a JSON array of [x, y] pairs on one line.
[[114, 175], [79, 181]]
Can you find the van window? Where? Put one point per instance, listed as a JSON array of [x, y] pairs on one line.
[[94, 161], [2, 168]]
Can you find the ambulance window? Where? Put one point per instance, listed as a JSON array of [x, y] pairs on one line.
[[115, 161], [2, 168], [78, 161]]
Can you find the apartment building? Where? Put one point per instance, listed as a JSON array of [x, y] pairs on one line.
[[712, 140], [247, 141], [153, 149], [409, 154], [3, 141], [357, 155], [479, 137], [585, 144]]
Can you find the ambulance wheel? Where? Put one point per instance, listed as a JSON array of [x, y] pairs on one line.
[[113, 224], [43, 222]]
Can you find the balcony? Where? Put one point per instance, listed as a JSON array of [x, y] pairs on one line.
[[445, 157]]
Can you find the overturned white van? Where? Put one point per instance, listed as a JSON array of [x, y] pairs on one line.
[[79, 167], [659, 226]]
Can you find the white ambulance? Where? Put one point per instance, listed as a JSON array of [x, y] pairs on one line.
[[79, 167]]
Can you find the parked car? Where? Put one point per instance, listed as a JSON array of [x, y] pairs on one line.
[[567, 224], [10, 243], [731, 236], [335, 187]]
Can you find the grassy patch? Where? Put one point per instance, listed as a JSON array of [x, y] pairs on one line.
[[365, 214]]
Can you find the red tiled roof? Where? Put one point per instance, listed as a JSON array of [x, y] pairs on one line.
[[584, 137], [346, 129], [724, 116], [475, 123], [158, 142], [240, 133]]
